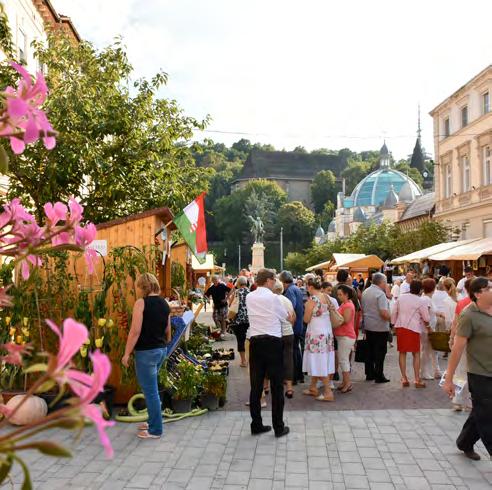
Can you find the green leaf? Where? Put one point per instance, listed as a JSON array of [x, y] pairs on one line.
[[27, 484], [36, 368], [50, 448], [5, 467], [46, 386], [4, 160]]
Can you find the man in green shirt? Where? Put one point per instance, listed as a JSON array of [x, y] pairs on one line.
[[475, 334]]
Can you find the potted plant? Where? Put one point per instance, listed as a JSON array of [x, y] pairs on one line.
[[186, 386], [214, 388]]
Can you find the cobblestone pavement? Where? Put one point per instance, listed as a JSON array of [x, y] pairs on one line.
[[378, 437], [375, 449]]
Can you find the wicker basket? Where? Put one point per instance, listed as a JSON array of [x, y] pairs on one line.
[[440, 341]]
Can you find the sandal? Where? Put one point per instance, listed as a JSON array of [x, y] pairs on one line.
[[144, 434], [144, 426], [348, 389], [420, 384], [243, 365], [405, 384], [289, 394], [324, 398], [310, 392]]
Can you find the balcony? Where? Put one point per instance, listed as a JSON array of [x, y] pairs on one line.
[[464, 200]]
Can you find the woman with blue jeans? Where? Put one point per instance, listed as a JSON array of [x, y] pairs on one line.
[[148, 336]]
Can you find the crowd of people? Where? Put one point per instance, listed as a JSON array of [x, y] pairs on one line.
[[307, 326], [287, 328]]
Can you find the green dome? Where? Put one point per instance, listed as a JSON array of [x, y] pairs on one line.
[[374, 189]]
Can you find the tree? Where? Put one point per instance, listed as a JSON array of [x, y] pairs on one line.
[[120, 150], [323, 189], [354, 173], [299, 149], [326, 216], [412, 172], [230, 211], [298, 224]]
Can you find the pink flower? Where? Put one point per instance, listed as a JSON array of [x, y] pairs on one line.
[[5, 299], [15, 214], [25, 269], [55, 212], [73, 337], [24, 113], [85, 235], [91, 258], [75, 211], [15, 353], [62, 238], [93, 412], [87, 386]]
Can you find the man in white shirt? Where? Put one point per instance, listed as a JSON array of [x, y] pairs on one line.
[[405, 285], [265, 313], [461, 283]]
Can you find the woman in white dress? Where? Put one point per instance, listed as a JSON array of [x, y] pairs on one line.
[[429, 365], [319, 353]]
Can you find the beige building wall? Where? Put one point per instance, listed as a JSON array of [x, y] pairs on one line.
[[463, 156]]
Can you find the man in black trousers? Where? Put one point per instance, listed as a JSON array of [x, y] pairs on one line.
[[475, 335], [265, 312], [376, 314]]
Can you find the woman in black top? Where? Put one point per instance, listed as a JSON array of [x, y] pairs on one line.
[[149, 334], [240, 323]]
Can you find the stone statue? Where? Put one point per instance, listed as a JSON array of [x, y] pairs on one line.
[[257, 229]]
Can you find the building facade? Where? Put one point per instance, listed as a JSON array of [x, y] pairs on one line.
[[31, 20], [292, 171], [383, 195], [463, 156]]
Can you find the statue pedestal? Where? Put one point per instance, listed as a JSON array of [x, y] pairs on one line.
[[258, 261]]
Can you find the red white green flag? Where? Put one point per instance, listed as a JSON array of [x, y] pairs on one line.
[[191, 223]]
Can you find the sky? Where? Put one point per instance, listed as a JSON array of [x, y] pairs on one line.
[[318, 73]]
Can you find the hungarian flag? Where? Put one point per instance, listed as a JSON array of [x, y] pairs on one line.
[[191, 223]]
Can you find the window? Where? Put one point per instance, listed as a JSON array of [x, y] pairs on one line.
[[22, 47], [486, 165], [465, 174], [485, 103], [464, 116], [487, 228], [465, 231], [446, 127], [447, 181]]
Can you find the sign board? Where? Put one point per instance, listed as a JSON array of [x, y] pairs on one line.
[[100, 246]]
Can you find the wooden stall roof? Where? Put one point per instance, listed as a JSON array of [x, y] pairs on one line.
[[164, 213], [352, 261], [208, 265], [339, 260]]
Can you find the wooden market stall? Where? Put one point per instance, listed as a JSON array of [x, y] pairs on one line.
[[354, 263], [205, 270]]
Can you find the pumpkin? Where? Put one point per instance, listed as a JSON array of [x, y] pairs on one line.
[[32, 410]]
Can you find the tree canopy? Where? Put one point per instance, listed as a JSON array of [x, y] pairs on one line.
[[298, 224], [120, 148], [323, 189]]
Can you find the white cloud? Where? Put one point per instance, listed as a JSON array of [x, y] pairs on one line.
[[316, 73]]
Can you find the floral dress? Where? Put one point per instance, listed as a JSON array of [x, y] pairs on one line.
[[319, 352]]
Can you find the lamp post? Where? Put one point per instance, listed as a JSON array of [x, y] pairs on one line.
[[239, 258], [281, 248]]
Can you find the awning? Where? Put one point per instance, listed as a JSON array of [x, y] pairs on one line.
[[208, 265], [472, 250], [349, 261], [425, 253]]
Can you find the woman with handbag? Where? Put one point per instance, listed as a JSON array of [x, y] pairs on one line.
[[410, 316], [319, 353], [238, 315], [345, 335]]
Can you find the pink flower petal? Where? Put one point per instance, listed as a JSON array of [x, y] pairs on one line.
[[32, 132], [94, 413], [17, 145], [16, 108]]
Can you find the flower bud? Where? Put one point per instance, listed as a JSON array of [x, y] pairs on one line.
[[18, 339], [12, 331], [83, 351], [101, 322], [26, 332], [99, 342], [110, 323], [25, 321], [7, 320]]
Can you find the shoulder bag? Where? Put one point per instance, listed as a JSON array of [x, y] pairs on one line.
[[336, 318]]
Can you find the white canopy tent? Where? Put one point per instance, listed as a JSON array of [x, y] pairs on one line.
[[430, 253], [472, 250]]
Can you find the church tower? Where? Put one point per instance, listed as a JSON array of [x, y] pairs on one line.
[[418, 158]]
